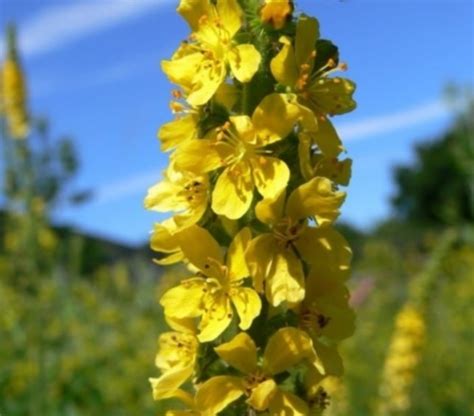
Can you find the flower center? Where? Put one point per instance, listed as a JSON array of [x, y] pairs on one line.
[[286, 232], [313, 319], [194, 192], [253, 380]]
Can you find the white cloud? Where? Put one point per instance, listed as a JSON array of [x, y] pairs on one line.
[[363, 129], [115, 73], [130, 186], [60, 25]]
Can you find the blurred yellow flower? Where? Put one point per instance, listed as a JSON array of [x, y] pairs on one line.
[[276, 12], [13, 102], [404, 354]]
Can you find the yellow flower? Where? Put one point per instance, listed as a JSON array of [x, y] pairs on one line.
[[190, 402], [294, 67], [325, 311], [180, 130], [200, 66], [176, 358], [274, 258], [325, 163], [240, 147], [182, 192], [285, 349], [276, 12], [214, 296]]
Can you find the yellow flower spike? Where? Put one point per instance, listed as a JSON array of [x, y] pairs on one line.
[[13, 100], [215, 296], [276, 12], [287, 347], [404, 354], [184, 193], [273, 258], [203, 66], [280, 222]]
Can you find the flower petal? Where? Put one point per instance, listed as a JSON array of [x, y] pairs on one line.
[[332, 95], [328, 359], [262, 394], [186, 299], [307, 32], [197, 156], [178, 131], [216, 318], [240, 353], [236, 255], [193, 10], [206, 82], [275, 117], [248, 305], [233, 192], [326, 250], [162, 197], [217, 393], [326, 138], [244, 61], [230, 15], [315, 198], [199, 246], [259, 256], [270, 175], [286, 348], [283, 66], [269, 211], [166, 386], [285, 279], [182, 70], [285, 403]]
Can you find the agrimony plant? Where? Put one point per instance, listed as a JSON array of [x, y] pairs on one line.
[[253, 184]]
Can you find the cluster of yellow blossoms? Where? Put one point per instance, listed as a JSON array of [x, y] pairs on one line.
[[253, 184], [403, 357], [13, 92]]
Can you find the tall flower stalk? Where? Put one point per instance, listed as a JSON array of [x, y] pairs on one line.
[[405, 350], [254, 188]]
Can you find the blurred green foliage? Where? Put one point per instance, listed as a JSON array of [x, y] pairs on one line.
[[439, 187], [79, 347]]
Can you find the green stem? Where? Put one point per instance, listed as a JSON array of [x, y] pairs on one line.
[[245, 104]]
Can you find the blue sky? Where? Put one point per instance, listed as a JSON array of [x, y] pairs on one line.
[[93, 69]]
